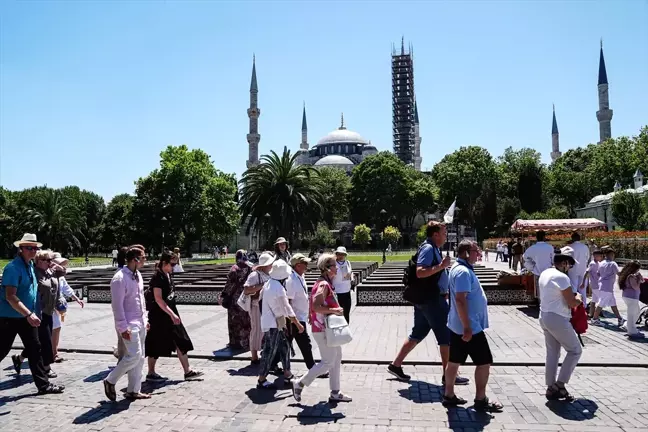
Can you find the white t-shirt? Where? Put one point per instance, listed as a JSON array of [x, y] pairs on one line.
[[539, 257], [552, 283], [115, 253], [341, 284], [275, 305], [296, 292]]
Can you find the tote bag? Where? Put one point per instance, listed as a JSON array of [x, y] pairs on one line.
[[337, 329], [244, 302]]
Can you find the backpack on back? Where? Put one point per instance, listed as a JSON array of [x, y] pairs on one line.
[[420, 290]]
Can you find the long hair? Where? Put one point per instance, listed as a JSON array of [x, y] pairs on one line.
[[165, 258], [628, 269]]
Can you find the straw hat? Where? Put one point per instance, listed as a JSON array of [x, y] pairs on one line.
[[265, 259], [280, 270], [299, 258], [28, 240], [281, 240], [341, 250], [58, 259]]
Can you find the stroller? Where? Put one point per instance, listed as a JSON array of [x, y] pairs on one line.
[[643, 298]]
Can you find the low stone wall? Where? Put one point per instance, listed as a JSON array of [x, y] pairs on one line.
[[390, 296]]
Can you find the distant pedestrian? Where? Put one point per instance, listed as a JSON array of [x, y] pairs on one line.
[[577, 272], [608, 272], [343, 281], [115, 253], [467, 321], [517, 250], [630, 281], [128, 305], [177, 267], [500, 251], [591, 277], [238, 320], [557, 298], [281, 250], [538, 258]]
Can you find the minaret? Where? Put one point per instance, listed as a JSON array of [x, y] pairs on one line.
[[304, 140], [555, 141], [253, 112], [604, 114], [417, 140], [638, 179]]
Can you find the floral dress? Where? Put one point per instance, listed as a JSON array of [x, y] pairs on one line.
[[238, 320]]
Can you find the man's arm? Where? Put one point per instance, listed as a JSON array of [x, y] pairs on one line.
[[12, 298], [427, 255], [463, 286], [118, 293]]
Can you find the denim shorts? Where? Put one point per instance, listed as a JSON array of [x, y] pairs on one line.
[[432, 315]]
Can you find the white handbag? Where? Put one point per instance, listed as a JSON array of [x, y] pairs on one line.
[[337, 331], [244, 302]]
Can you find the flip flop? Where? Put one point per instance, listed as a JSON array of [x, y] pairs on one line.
[[136, 396]]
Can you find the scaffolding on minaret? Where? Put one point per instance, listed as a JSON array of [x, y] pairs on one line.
[[403, 110]]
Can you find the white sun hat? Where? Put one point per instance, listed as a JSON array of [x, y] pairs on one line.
[[280, 270], [266, 258], [28, 240]]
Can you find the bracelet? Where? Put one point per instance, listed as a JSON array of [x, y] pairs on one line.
[[30, 314]]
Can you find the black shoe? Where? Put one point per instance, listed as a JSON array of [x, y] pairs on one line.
[[397, 371], [277, 371], [17, 363], [266, 385], [458, 381], [453, 401], [255, 362], [51, 389], [324, 376]]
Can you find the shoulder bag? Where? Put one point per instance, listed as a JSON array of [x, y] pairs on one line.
[[337, 328]]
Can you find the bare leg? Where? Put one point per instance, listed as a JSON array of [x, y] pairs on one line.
[[56, 337], [616, 312], [451, 371], [184, 361], [151, 365], [254, 354], [481, 380], [597, 312], [407, 347], [444, 350]]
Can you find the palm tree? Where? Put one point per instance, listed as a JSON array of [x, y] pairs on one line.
[[54, 218], [282, 197]]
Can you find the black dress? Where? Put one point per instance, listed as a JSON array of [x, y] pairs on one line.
[[163, 336]]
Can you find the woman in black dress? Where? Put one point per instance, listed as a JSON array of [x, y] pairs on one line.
[[166, 334]]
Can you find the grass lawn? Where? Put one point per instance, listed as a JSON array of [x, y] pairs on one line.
[[352, 258]]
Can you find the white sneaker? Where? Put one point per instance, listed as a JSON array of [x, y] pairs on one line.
[[339, 397], [115, 353]]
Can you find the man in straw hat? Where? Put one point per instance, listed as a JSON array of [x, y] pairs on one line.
[[297, 292], [18, 314]]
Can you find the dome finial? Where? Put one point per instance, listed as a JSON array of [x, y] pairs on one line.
[[342, 122]]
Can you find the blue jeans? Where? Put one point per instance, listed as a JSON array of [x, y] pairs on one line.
[[432, 315]]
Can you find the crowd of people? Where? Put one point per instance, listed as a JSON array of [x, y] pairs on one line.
[[269, 305]]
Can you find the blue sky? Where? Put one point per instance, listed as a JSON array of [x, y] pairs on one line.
[[91, 92]]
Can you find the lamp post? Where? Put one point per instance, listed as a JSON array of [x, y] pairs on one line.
[[267, 224], [164, 219], [456, 231], [383, 212]]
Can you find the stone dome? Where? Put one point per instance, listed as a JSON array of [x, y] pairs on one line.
[[334, 160], [342, 136]]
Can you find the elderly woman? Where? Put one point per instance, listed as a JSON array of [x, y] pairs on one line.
[[276, 310], [238, 321], [323, 303], [281, 250], [59, 313], [252, 287], [48, 297]]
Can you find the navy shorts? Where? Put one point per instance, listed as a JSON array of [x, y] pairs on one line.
[[432, 315]]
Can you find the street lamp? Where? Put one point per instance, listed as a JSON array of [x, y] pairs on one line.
[[456, 231], [267, 224], [164, 219], [383, 212]]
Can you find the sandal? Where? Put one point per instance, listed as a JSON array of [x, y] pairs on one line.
[[557, 393], [192, 374], [453, 401], [136, 396], [109, 390], [486, 405]]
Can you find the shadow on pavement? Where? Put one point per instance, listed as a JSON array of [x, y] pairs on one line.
[[579, 410], [248, 371], [532, 312], [104, 410], [17, 381], [263, 397], [99, 376], [461, 418], [318, 413], [422, 392]]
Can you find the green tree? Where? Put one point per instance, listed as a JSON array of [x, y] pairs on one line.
[[322, 236], [420, 198], [628, 210], [118, 229], [569, 181], [289, 193], [91, 210], [197, 200], [421, 234], [361, 235], [391, 235], [335, 186], [521, 175]]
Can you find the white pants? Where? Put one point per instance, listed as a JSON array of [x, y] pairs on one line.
[[331, 362], [558, 333], [133, 362], [576, 279], [633, 314]]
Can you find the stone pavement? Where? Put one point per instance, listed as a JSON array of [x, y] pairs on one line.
[[515, 335], [608, 399]]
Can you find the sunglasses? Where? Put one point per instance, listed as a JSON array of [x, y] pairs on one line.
[[30, 248]]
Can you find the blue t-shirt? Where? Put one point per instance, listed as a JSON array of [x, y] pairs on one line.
[[22, 276], [429, 253], [464, 280]]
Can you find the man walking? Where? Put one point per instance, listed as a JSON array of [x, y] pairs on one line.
[[467, 321], [128, 305], [518, 250], [18, 313], [432, 314], [298, 296], [539, 258], [577, 272]]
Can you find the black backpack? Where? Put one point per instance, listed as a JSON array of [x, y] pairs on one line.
[[420, 290]]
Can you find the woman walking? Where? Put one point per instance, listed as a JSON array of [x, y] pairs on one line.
[[276, 310], [342, 281], [608, 271], [281, 250], [630, 281], [322, 303], [59, 316], [238, 321], [557, 297], [166, 333], [252, 287]]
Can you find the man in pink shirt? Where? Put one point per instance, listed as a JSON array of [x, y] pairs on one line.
[[129, 310]]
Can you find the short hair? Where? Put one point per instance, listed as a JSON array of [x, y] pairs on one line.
[[540, 235], [133, 253], [323, 261], [559, 259], [433, 227], [575, 236], [176, 250], [465, 246], [43, 254]]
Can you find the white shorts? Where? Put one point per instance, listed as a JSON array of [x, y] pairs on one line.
[[56, 320], [606, 299], [595, 295]]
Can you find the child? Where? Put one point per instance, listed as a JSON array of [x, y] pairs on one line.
[[591, 275], [608, 271], [630, 281]]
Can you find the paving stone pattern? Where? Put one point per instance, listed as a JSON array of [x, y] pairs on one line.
[[608, 399]]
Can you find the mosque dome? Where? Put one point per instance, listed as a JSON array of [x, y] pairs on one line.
[[336, 160], [342, 136]]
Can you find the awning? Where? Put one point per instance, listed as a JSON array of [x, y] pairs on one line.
[[557, 225]]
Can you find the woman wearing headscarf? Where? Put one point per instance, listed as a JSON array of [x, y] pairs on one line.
[[281, 250], [238, 320], [166, 333], [252, 287], [276, 310]]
